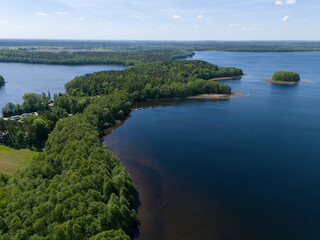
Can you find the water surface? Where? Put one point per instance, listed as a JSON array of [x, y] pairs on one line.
[[245, 168], [37, 78]]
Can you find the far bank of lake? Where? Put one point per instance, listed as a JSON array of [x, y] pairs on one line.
[[242, 168], [37, 78]]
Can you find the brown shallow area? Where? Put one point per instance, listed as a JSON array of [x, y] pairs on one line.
[[168, 205], [229, 78], [279, 82], [233, 94]]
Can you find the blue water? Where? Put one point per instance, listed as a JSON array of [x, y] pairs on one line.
[[37, 78], [244, 168]]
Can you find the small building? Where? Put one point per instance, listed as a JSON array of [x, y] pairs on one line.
[[15, 117], [26, 114]]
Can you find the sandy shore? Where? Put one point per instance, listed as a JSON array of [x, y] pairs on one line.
[[229, 78], [279, 82], [233, 94]]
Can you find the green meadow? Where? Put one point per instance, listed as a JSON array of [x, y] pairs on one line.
[[12, 160]]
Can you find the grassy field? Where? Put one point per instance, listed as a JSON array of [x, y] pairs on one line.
[[12, 160]]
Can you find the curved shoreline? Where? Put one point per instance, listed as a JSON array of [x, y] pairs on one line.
[[279, 82], [233, 94], [228, 78]]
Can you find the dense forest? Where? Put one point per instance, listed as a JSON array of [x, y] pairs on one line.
[[2, 82], [286, 76], [155, 80], [77, 189], [127, 58]]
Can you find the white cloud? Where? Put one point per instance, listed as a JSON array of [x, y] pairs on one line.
[[61, 13], [287, 2], [176, 17], [200, 16], [234, 24], [290, 2], [3, 21], [42, 14], [81, 19], [286, 18]]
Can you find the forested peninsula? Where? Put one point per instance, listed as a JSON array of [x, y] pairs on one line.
[[126, 58], [76, 188]]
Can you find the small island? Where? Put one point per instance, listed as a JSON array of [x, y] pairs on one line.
[[284, 77], [2, 82]]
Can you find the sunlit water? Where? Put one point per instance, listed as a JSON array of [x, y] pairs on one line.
[[37, 78], [245, 168]]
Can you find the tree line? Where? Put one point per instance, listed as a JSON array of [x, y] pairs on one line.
[[127, 58]]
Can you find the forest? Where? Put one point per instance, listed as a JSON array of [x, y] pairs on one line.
[[126, 58], [76, 188], [286, 76]]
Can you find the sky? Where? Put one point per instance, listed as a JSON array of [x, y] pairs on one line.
[[161, 20]]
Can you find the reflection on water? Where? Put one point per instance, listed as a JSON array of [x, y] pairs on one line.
[[245, 168]]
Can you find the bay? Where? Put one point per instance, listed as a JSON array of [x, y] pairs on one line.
[[244, 168], [37, 78]]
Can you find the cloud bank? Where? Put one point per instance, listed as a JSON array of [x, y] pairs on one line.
[[287, 2]]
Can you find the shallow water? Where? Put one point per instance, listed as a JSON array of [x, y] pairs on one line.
[[37, 78], [244, 168]]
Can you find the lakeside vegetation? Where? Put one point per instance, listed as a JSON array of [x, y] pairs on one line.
[[2, 82], [76, 188], [126, 58], [286, 76]]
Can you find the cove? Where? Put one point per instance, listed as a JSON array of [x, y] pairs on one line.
[[37, 78], [244, 168]]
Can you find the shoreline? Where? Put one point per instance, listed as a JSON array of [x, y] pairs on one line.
[[233, 94], [279, 82], [228, 78]]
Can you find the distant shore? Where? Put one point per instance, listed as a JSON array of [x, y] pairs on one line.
[[279, 82], [229, 78]]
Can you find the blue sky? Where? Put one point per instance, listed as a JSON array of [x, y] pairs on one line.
[[161, 20]]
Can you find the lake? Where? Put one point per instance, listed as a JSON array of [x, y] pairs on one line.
[[37, 78], [245, 168]]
